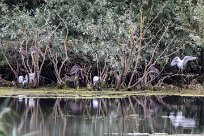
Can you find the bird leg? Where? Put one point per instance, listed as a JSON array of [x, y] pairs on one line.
[[182, 78], [76, 82]]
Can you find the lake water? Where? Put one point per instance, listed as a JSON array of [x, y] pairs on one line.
[[137, 115]]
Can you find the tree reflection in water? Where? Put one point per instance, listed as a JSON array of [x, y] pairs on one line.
[[122, 116], [177, 119]]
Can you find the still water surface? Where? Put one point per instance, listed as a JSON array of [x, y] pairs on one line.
[[98, 117]]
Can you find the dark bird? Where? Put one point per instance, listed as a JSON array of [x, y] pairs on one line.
[[74, 70]]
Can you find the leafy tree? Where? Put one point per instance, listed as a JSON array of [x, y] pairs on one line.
[[126, 38]]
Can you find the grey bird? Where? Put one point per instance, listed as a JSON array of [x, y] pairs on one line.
[[181, 63], [74, 70]]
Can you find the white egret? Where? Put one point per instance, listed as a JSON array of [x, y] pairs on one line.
[[20, 80], [31, 77], [23, 81], [96, 79], [181, 63]]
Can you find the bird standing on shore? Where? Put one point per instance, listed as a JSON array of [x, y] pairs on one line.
[[181, 63], [23, 81], [96, 81]]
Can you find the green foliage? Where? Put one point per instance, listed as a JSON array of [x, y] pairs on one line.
[[191, 18], [3, 131], [5, 126], [98, 31], [199, 19]]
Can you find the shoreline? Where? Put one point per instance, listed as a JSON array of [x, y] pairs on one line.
[[83, 93]]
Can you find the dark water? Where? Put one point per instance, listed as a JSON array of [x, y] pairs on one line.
[[99, 117]]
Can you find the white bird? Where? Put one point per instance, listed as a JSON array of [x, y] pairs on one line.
[[26, 80], [96, 80], [31, 77], [23, 81], [20, 80], [181, 63]]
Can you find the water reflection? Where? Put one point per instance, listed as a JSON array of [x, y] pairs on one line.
[[29, 102], [177, 119], [91, 117]]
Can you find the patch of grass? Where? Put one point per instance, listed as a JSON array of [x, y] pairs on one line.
[[83, 93]]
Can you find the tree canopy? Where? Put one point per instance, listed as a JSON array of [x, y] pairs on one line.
[[118, 39]]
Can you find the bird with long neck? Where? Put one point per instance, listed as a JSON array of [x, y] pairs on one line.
[[181, 63]]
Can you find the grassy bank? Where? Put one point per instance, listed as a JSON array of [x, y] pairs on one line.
[[83, 93]]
